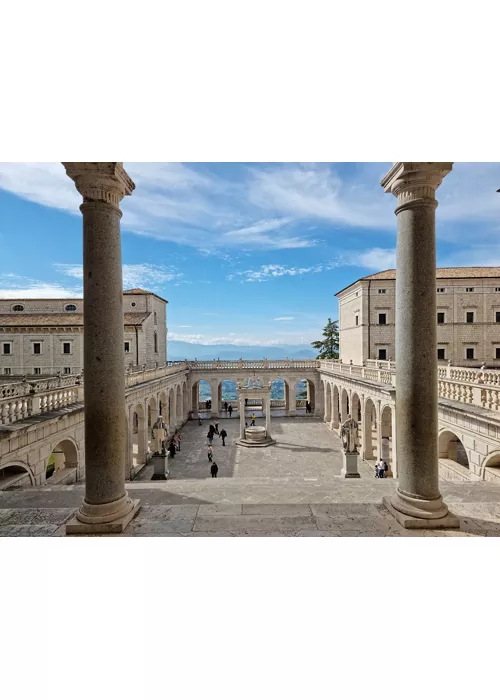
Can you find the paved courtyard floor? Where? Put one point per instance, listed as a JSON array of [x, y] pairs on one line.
[[291, 489]]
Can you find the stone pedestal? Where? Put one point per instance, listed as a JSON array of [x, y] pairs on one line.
[[417, 500], [160, 467], [350, 466], [256, 436]]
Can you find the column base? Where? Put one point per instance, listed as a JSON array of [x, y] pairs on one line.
[[425, 521], [98, 520], [291, 413]]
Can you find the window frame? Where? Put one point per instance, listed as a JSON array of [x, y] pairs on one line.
[[126, 346], [469, 290], [7, 371], [497, 316], [17, 308], [497, 353], [441, 290], [36, 343], [356, 319], [9, 343], [71, 308], [467, 314], [384, 323], [382, 291], [467, 353], [443, 351], [66, 372], [37, 370], [382, 359], [67, 342], [441, 313]]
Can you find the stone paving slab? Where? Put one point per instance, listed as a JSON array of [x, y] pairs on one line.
[[242, 523], [282, 509]]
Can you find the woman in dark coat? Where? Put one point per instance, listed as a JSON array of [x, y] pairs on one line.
[[171, 448]]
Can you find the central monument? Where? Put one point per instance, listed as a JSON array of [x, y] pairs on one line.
[[255, 435]]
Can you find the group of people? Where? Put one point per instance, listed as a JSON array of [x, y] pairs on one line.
[[308, 407], [214, 430], [228, 408], [380, 469], [175, 444]]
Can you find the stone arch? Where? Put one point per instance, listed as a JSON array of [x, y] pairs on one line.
[[178, 406], [344, 404], [163, 404], [335, 406], [491, 467], [305, 394], [356, 407], [327, 388], [152, 415], [16, 473], [203, 389], [370, 429], [138, 436], [451, 447], [278, 401], [387, 442], [185, 399], [170, 417], [63, 455]]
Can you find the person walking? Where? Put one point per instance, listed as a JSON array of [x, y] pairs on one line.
[[178, 440], [213, 470], [230, 409], [210, 437], [225, 406], [216, 427], [210, 453], [171, 448], [199, 418], [381, 473], [223, 435], [252, 419]]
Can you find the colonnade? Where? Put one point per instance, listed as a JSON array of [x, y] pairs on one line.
[[106, 506]]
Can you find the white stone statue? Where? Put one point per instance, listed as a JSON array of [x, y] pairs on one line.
[[159, 432], [349, 435]]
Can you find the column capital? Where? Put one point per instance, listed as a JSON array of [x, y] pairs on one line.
[[415, 183], [100, 182]]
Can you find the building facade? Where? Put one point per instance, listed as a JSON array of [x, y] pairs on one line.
[[45, 336], [468, 317]]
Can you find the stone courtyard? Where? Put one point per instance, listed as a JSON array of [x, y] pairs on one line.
[[293, 488]]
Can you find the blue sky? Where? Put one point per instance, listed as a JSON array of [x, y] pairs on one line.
[[246, 253]]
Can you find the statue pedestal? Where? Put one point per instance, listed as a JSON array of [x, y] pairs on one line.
[[160, 472], [350, 466]]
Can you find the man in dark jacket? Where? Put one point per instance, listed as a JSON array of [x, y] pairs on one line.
[[223, 435], [213, 470]]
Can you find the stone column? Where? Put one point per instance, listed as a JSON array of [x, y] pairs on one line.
[[106, 506], [267, 405], [214, 385], [242, 418], [292, 398], [393, 467], [417, 501]]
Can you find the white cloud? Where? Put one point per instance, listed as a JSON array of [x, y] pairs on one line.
[[268, 272], [284, 318], [372, 259], [138, 275], [19, 287]]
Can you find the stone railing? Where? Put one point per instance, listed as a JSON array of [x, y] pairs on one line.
[[253, 364], [24, 399], [140, 376], [385, 375]]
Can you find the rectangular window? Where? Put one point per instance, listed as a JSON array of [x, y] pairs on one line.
[[382, 354], [497, 353], [441, 290], [67, 370], [7, 370], [357, 320], [469, 354], [66, 348], [156, 319], [382, 291], [469, 289], [497, 316], [6, 348], [441, 354], [382, 319], [440, 316], [127, 346], [37, 348], [497, 289], [469, 317], [37, 370]]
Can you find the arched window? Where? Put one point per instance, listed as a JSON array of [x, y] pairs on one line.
[[18, 307], [156, 341], [70, 307]]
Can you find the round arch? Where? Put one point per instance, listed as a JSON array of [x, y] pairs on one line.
[[327, 388], [178, 405], [138, 436], [335, 407], [344, 405], [163, 404], [387, 445], [16, 473], [370, 432], [451, 447], [171, 409], [63, 455], [305, 393]]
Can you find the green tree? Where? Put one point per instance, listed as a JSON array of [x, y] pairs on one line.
[[329, 346]]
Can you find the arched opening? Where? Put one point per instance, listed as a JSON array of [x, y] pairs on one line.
[[370, 432], [62, 461], [387, 449], [491, 468], [204, 395], [179, 405], [171, 411], [336, 408], [280, 394], [328, 401], [152, 416], [163, 405], [138, 437], [451, 448], [15, 476], [344, 405], [305, 393]]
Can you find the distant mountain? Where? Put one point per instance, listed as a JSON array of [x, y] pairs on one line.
[[180, 350]]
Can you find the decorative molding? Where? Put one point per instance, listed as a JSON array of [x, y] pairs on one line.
[[415, 183], [100, 182]]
